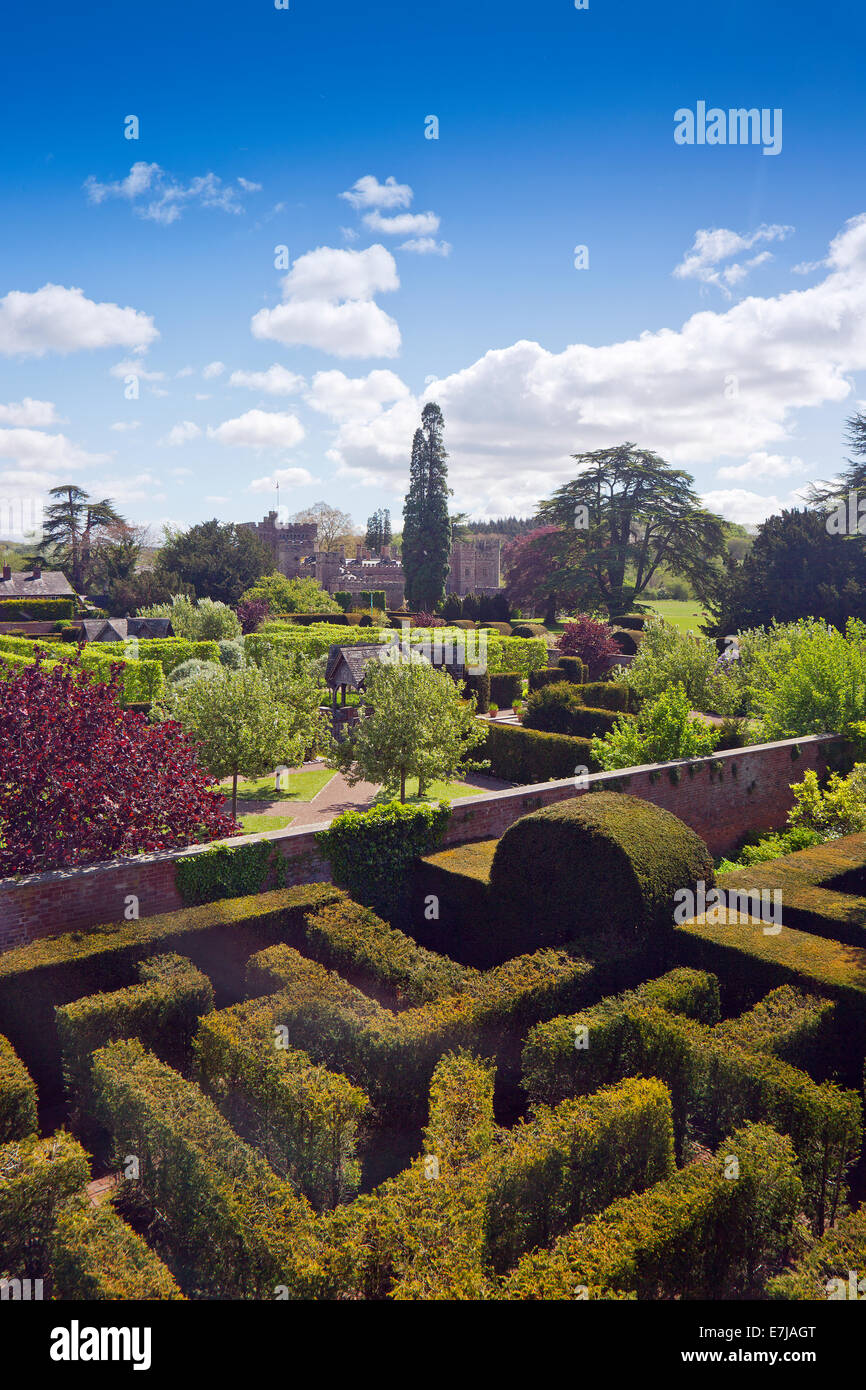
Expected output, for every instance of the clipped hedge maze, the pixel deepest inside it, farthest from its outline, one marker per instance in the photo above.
(299, 1101)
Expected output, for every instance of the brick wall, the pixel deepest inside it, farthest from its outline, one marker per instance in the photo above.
(721, 797)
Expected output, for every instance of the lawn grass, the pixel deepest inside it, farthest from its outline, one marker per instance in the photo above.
(301, 786)
(687, 615)
(255, 823)
(436, 791)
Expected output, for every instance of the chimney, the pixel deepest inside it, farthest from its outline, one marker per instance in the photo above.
(37, 572)
(7, 571)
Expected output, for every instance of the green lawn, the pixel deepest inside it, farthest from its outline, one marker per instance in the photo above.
(301, 786)
(256, 824)
(687, 615)
(437, 791)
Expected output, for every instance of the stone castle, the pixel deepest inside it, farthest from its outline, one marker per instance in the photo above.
(475, 565)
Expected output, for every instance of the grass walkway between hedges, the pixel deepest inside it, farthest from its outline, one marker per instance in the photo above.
(687, 615)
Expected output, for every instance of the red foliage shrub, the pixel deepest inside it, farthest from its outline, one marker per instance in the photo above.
(591, 640)
(82, 780)
(252, 613)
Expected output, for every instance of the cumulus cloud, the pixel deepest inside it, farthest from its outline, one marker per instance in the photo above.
(213, 369)
(714, 245)
(426, 246)
(159, 197)
(746, 508)
(275, 381)
(38, 461)
(328, 304)
(28, 413)
(368, 192)
(764, 465)
(133, 367)
(139, 487)
(57, 319)
(181, 433)
(516, 415)
(355, 398)
(259, 429)
(286, 477)
(404, 224)
(122, 425)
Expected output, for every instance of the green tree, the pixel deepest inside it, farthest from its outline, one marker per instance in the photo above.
(418, 726)
(627, 514)
(333, 526)
(284, 595)
(219, 560)
(378, 531)
(426, 528)
(71, 528)
(795, 569)
(663, 731)
(853, 478)
(201, 621)
(249, 721)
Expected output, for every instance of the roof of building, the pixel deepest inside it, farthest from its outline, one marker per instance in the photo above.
(45, 584)
(120, 629)
(348, 665)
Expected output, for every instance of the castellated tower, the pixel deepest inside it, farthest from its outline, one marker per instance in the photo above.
(475, 567)
(290, 544)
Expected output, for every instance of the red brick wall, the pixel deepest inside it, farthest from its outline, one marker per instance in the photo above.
(725, 796)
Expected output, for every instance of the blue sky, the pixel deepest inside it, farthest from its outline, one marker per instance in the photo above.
(721, 320)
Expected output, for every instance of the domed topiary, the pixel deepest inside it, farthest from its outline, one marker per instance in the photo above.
(601, 869)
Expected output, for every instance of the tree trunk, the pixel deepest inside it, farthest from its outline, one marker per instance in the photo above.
(235, 794)
(402, 784)
(421, 788)
(550, 612)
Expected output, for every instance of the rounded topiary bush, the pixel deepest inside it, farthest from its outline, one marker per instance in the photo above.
(601, 869)
(552, 708)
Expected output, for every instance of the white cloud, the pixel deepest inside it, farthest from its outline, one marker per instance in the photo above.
(164, 197)
(514, 416)
(369, 193)
(181, 433)
(806, 267)
(286, 477)
(404, 224)
(137, 488)
(41, 459)
(746, 508)
(260, 429)
(328, 304)
(276, 381)
(133, 367)
(764, 465)
(426, 246)
(213, 369)
(354, 398)
(713, 245)
(57, 319)
(28, 413)
(186, 371)
(122, 425)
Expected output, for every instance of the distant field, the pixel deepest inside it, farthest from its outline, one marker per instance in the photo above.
(687, 615)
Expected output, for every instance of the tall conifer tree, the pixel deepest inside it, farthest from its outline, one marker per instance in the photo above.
(426, 528)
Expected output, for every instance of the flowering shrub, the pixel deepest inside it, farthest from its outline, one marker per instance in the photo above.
(83, 780)
(590, 640)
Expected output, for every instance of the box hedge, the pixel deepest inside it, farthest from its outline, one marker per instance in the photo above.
(505, 688)
(696, 1235)
(162, 1012)
(824, 1271)
(522, 755)
(479, 686)
(575, 669)
(37, 610)
(18, 1099)
(715, 1084)
(607, 695)
(594, 869)
(96, 1257)
(823, 888)
(217, 937)
(548, 675)
(370, 852)
(36, 1177)
(142, 682)
(168, 651)
(449, 905)
(303, 1118)
(229, 1220)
